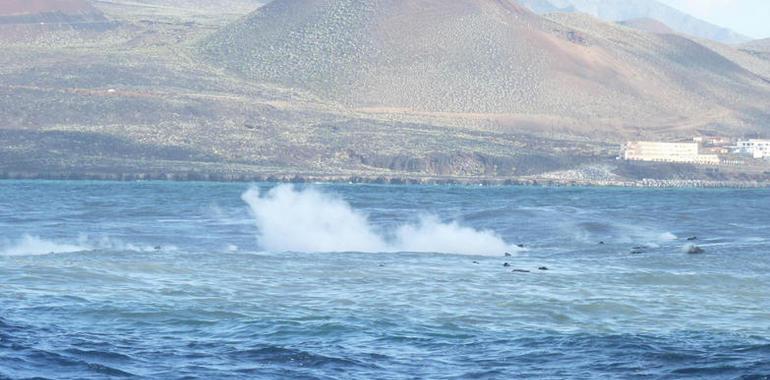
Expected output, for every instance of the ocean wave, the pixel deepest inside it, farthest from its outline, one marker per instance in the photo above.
(30, 245)
(292, 220)
(33, 245)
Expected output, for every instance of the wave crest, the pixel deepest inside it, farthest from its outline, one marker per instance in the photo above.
(32, 245)
(291, 220)
(29, 245)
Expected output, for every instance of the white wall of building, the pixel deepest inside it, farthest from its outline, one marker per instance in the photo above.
(668, 152)
(755, 147)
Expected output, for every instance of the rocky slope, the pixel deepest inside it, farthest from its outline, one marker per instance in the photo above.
(621, 10)
(488, 57)
(426, 90)
(75, 12)
(648, 25)
(760, 48)
(758, 45)
(196, 6)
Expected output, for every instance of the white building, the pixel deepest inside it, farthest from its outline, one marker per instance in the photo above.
(755, 147)
(668, 152)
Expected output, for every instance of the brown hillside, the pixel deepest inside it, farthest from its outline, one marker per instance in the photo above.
(759, 49)
(346, 89)
(488, 57)
(648, 25)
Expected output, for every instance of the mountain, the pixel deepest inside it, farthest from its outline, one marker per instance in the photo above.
(544, 6)
(376, 54)
(648, 25)
(622, 10)
(758, 48)
(49, 11)
(26, 7)
(486, 57)
(386, 90)
(758, 45)
(198, 6)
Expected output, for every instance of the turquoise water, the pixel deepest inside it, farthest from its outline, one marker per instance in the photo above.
(210, 281)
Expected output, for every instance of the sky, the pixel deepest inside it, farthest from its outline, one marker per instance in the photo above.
(748, 17)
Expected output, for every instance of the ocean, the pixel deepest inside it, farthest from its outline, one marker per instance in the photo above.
(164, 280)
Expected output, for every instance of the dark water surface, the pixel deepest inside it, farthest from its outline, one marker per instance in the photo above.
(189, 280)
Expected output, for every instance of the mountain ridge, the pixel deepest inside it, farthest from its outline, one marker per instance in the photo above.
(385, 90)
(26, 7)
(483, 56)
(41, 12)
(623, 10)
(648, 25)
(762, 45)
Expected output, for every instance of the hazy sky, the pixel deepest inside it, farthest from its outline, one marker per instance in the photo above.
(748, 17)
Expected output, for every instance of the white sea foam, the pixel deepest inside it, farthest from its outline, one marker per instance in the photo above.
(29, 245)
(431, 235)
(32, 245)
(292, 220)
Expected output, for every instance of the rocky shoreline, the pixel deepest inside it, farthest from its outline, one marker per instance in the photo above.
(381, 179)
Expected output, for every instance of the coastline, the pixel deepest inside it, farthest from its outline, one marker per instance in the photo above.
(380, 179)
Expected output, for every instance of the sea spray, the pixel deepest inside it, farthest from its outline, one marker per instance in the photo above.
(29, 245)
(310, 221)
(292, 220)
(431, 235)
(32, 245)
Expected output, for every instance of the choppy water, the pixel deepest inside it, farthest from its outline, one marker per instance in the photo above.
(190, 280)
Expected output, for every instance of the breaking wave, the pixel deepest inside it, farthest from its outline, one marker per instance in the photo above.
(292, 220)
(31, 245)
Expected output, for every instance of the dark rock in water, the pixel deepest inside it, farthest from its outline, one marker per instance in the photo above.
(601, 243)
(542, 268)
(158, 248)
(520, 271)
(521, 245)
(475, 262)
(695, 250)
(692, 238)
(507, 254)
(636, 251)
(506, 265)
